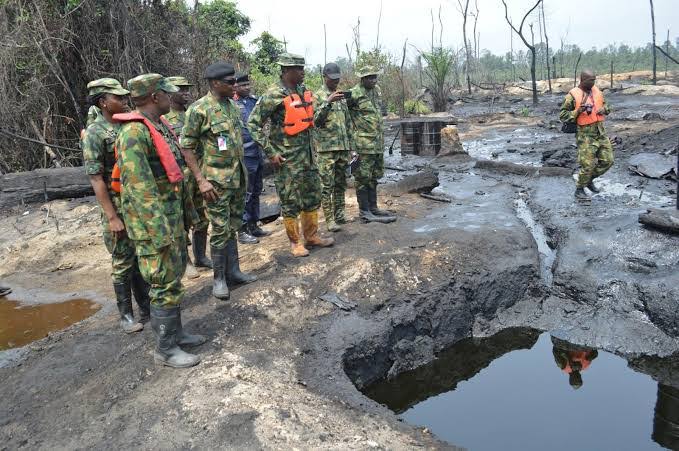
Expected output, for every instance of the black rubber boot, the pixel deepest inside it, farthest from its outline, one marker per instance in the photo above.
(141, 294)
(592, 187)
(364, 212)
(124, 300)
(581, 195)
(220, 290)
(233, 272)
(372, 193)
(186, 339)
(165, 324)
(199, 243)
(244, 236)
(256, 230)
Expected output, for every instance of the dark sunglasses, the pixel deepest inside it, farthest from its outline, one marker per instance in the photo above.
(229, 81)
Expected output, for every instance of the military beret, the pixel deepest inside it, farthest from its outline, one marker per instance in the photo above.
(332, 70)
(179, 81)
(145, 84)
(242, 77)
(290, 60)
(367, 70)
(219, 70)
(107, 86)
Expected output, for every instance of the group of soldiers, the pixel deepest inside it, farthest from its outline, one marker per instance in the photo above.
(171, 166)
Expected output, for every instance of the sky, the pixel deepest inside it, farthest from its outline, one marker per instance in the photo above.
(587, 23)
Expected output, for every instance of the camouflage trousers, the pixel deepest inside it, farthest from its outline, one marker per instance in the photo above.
(226, 214)
(163, 269)
(332, 168)
(123, 257)
(201, 222)
(299, 189)
(370, 170)
(595, 157)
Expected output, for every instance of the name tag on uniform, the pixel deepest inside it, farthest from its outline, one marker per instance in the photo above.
(221, 142)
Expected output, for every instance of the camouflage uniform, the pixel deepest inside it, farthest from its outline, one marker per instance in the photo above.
(332, 139)
(209, 120)
(595, 152)
(368, 135)
(93, 113)
(151, 205)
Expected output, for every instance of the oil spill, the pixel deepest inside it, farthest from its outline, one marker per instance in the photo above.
(23, 324)
(521, 389)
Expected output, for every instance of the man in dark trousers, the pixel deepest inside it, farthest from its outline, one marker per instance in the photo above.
(254, 162)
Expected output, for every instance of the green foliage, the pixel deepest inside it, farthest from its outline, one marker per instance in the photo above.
(220, 24)
(524, 111)
(266, 54)
(415, 106)
(440, 62)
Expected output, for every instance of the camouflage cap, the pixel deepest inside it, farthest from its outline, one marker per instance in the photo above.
(107, 86)
(290, 60)
(145, 84)
(178, 81)
(367, 70)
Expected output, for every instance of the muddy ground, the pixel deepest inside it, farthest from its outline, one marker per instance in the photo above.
(281, 367)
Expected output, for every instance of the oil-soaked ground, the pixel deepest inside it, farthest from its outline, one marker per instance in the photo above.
(521, 390)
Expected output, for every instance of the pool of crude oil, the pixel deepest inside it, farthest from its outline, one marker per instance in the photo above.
(525, 390)
(22, 324)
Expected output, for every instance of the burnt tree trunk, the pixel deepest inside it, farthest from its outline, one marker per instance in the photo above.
(655, 66)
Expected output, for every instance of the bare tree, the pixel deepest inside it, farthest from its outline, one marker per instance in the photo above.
(530, 47)
(464, 10)
(544, 26)
(477, 37)
(379, 21)
(655, 75)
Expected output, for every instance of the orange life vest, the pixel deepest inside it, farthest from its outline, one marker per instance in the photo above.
(595, 98)
(165, 155)
(577, 356)
(299, 114)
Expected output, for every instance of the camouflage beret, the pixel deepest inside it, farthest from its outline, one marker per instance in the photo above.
(178, 81)
(107, 86)
(366, 71)
(290, 60)
(145, 84)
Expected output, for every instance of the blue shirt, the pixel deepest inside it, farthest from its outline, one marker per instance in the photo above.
(246, 105)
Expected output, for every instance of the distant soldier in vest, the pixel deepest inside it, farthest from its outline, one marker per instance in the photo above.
(333, 146)
(176, 117)
(289, 108)
(586, 107)
(254, 162)
(213, 131)
(107, 97)
(572, 360)
(152, 188)
(365, 108)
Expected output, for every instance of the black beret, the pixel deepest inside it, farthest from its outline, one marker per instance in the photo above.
(242, 77)
(219, 70)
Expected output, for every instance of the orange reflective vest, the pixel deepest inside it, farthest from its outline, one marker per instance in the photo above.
(595, 98)
(165, 155)
(299, 114)
(577, 356)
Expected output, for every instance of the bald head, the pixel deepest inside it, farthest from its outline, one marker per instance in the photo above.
(587, 79)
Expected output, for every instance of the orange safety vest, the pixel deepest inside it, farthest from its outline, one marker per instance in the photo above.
(577, 356)
(167, 159)
(299, 114)
(595, 98)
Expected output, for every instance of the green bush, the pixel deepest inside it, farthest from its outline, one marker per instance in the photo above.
(414, 106)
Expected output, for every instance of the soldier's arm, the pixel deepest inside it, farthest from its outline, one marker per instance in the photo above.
(349, 122)
(568, 113)
(94, 157)
(321, 109)
(139, 186)
(265, 107)
(190, 140)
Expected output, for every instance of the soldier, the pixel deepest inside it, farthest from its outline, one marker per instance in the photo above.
(288, 105)
(586, 107)
(107, 97)
(213, 130)
(333, 146)
(151, 193)
(368, 135)
(176, 117)
(254, 162)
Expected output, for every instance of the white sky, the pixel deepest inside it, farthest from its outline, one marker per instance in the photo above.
(587, 23)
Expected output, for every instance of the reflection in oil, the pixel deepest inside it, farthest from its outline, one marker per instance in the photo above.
(20, 325)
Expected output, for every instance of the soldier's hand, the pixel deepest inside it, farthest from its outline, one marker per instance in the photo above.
(582, 108)
(277, 160)
(116, 226)
(207, 190)
(335, 96)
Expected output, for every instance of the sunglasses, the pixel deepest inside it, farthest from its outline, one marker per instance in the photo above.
(229, 81)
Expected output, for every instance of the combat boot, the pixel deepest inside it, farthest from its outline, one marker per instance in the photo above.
(292, 229)
(220, 290)
(580, 194)
(199, 244)
(592, 187)
(124, 299)
(141, 294)
(310, 230)
(256, 230)
(165, 325)
(186, 339)
(364, 212)
(372, 199)
(244, 236)
(233, 273)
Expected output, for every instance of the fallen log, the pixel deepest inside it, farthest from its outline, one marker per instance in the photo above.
(436, 198)
(420, 182)
(43, 185)
(664, 220)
